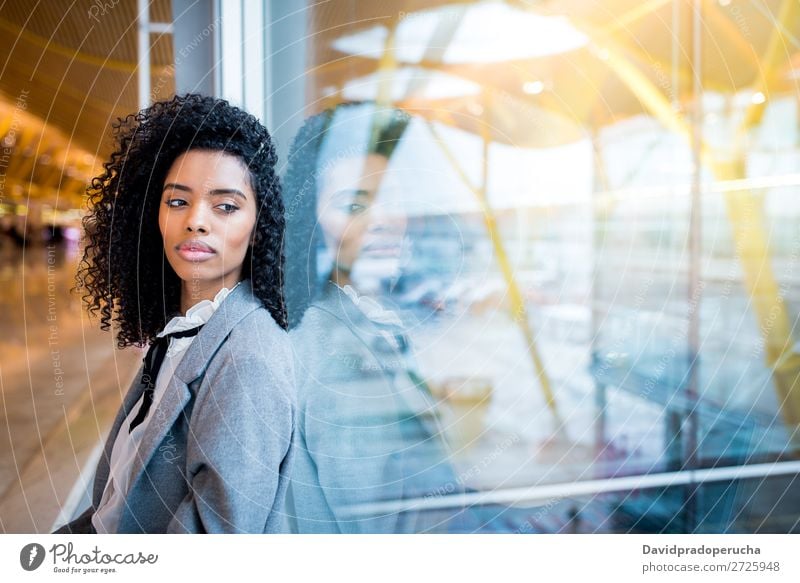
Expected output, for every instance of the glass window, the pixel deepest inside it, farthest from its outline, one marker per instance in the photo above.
(543, 262)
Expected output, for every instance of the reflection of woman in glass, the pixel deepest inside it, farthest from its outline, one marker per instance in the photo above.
(367, 429)
(184, 252)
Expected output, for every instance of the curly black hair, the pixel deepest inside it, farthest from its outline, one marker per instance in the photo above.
(140, 291)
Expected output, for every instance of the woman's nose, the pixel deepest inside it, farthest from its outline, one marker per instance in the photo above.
(196, 219)
(387, 220)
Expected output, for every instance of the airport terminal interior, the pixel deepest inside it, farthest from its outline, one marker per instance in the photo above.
(584, 226)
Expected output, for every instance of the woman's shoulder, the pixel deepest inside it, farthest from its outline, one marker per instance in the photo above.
(256, 328)
(258, 348)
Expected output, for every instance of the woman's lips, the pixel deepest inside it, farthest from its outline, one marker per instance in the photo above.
(381, 247)
(195, 252)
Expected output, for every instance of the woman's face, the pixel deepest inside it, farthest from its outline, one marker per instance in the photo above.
(207, 218)
(352, 223)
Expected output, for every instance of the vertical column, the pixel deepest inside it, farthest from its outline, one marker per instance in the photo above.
(231, 57)
(695, 288)
(253, 63)
(241, 39)
(286, 66)
(196, 27)
(143, 49)
(259, 58)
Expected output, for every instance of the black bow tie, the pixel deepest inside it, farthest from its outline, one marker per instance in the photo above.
(152, 364)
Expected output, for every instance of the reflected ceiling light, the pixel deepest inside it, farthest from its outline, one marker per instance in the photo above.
(533, 87)
(603, 54)
(758, 98)
(437, 85)
(489, 32)
(329, 91)
(475, 109)
(724, 3)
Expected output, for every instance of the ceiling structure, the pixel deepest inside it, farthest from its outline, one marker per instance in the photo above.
(628, 47)
(69, 70)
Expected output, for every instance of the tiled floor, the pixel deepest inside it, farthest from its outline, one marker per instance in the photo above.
(61, 382)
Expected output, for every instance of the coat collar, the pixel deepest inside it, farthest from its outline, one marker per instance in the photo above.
(238, 304)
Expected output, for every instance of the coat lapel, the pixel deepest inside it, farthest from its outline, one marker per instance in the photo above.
(162, 418)
(192, 366)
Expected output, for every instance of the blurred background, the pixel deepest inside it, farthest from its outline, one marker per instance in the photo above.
(600, 274)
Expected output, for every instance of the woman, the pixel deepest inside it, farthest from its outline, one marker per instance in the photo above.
(368, 435)
(185, 236)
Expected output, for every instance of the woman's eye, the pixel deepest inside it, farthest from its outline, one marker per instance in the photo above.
(356, 208)
(228, 208)
(172, 201)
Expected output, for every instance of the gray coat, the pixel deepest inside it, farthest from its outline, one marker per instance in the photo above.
(367, 429)
(216, 455)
